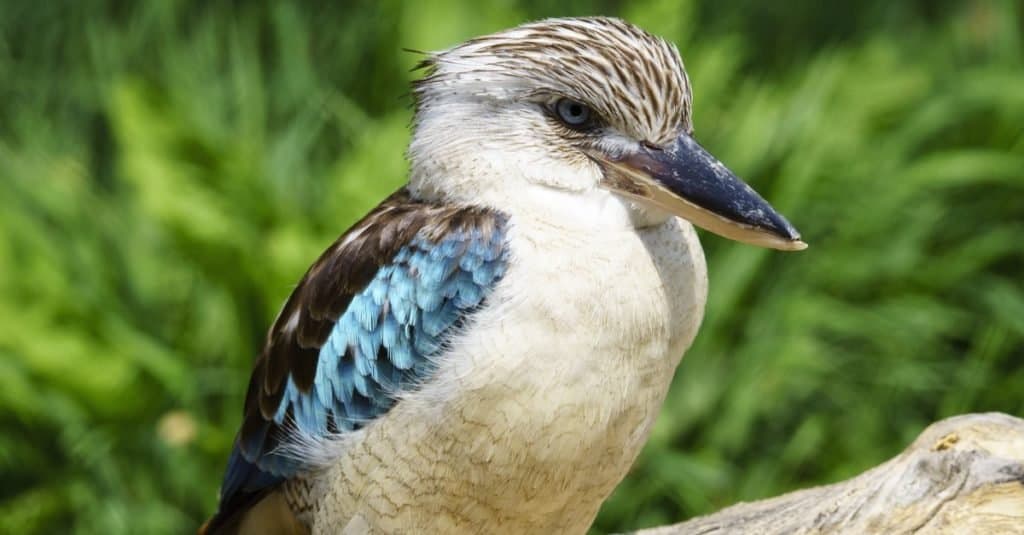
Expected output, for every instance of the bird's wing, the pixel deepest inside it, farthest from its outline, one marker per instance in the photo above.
(358, 330)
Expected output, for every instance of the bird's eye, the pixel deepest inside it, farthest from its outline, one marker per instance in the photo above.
(573, 113)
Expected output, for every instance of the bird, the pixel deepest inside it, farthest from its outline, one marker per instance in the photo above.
(487, 350)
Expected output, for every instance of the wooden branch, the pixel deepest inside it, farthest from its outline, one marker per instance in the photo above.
(963, 475)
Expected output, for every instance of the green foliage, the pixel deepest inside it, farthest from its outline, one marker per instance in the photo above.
(168, 170)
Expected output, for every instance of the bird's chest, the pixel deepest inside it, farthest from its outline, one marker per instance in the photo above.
(540, 407)
(584, 334)
(579, 354)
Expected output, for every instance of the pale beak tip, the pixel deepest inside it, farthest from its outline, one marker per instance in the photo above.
(784, 245)
(788, 235)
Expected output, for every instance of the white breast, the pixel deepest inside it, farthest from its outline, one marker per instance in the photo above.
(543, 403)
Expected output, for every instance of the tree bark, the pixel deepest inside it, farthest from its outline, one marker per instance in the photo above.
(963, 475)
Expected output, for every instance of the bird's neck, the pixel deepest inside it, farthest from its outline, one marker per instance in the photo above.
(593, 210)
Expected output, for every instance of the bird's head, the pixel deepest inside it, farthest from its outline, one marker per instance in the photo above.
(585, 120)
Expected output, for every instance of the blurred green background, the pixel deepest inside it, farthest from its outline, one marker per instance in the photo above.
(169, 169)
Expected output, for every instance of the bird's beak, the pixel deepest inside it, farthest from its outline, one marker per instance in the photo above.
(685, 180)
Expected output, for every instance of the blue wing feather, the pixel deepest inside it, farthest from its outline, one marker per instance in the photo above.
(385, 340)
(405, 309)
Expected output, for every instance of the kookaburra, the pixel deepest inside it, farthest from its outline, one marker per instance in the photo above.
(487, 350)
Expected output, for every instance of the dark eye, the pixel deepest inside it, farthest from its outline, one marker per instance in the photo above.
(572, 113)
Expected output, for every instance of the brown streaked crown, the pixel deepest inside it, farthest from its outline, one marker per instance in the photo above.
(634, 80)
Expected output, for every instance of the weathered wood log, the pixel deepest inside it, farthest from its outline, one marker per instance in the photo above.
(963, 475)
